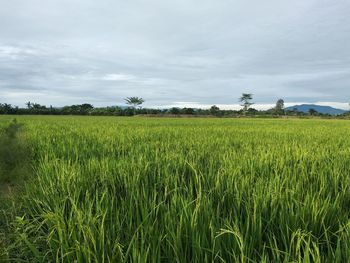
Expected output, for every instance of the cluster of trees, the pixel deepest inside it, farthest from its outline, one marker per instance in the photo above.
(279, 109)
(135, 108)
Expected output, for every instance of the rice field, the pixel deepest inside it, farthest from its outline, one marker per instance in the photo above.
(109, 189)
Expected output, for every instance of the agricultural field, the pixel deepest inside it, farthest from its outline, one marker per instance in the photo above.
(114, 189)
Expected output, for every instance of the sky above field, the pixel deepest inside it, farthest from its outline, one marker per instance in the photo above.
(175, 53)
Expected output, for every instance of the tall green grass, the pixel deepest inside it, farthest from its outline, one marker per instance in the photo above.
(182, 190)
(15, 168)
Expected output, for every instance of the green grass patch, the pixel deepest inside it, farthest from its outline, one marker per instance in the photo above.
(185, 190)
(15, 170)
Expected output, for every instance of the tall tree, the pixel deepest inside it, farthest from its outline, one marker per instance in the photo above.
(279, 108)
(29, 105)
(312, 111)
(246, 100)
(214, 110)
(5, 108)
(134, 102)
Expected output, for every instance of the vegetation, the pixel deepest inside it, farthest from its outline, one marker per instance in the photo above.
(88, 109)
(134, 108)
(214, 110)
(15, 169)
(134, 102)
(246, 100)
(279, 108)
(177, 190)
(312, 112)
(14, 155)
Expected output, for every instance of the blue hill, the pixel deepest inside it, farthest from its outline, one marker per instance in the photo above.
(321, 109)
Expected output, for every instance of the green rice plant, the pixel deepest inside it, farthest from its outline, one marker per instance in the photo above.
(108, 189)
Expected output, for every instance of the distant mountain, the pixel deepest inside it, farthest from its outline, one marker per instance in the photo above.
(321, 109)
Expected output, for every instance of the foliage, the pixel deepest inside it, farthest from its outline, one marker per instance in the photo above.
(14, 156)
(88, 109)
(134, 101)
(312, 111)
(179, 190)
(279, 108)
(214, 110)
(188, 111)
(246, 100)
(15, 169)
(174, 110)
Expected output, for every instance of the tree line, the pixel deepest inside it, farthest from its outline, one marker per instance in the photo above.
(134, 107)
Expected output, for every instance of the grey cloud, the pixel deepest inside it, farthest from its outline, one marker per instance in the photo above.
(62, 51)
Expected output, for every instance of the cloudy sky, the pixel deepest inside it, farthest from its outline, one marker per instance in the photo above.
(183, 52)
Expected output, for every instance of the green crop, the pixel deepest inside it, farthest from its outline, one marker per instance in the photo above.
(108, 189)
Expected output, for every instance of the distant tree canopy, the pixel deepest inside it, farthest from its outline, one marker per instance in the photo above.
(33, 108)
(312, 112)
(134, 102)
(279, 108)
(174, 110)
(83, 109)
(6, 108)
(246, 100)
(214, 110)
(188, 111)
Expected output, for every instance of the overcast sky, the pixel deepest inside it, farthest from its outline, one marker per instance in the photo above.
(179, 52)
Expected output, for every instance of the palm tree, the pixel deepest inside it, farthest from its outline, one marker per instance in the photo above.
(134, 102)
(29, 104)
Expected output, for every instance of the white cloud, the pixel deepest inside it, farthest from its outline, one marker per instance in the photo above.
(15, 52)
(339, 105)
(118, 77)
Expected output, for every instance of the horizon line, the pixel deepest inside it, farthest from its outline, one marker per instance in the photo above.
(198, 105)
